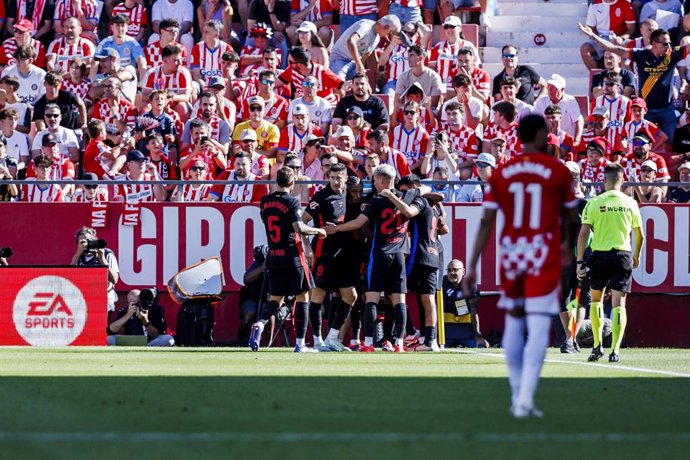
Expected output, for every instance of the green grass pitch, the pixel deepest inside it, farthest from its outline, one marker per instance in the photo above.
(218, 403)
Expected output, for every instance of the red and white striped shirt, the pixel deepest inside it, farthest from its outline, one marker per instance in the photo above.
(632, 167)
(247, 192)
(34, 192)
(614, 140)
(398, 161)
(632, 127)
(358, 7)
(254, 51)
(177, 82)
(10, 45)
(293, 141)
(79, 196)
(66, 9)
(154, 53)
(398, 62)
(619, 112)
(481, 80)
(463, 142)
(137, 17)
(275, 108)
(321, 9)
(81, 89)
(64, 52)
(412, 144)
(445, 54)
(126, 112)
(62, 168)
(128, 190)
(191, 193)
(328, 81)
(591, 173)
(208, 60)
(513, 144)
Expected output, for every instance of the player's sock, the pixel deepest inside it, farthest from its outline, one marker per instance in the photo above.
(341, 313)
(369, 317)
(269, 310)
(400, 320)
(596, 316)
(429, 335)
(368, 341)
(355, 320)
(538, 327)
(513, 347)
(300, 342)
(332, 334)
(316, 320)
(620, 320)
(301, 313)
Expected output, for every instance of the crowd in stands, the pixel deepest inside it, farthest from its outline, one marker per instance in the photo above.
(136, 90)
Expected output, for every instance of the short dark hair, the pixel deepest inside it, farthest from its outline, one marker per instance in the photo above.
(43, 160)
(529, 127)
(207, 94)
(461, 80)
(53, 78)
(242, 154)
(269, 49)
(25, 52)
(153, 136)
(360, 75)
(506, 109)
(285, 177)
(95, 127)
(451, 106)
(231, 56)
(510, 45)
(120, 19)
(337, 168)
(553, 109)
(613, 76)
(418, 50)
(409, 180)
(300, 55)
(378, 135)
(266, 73)
(171, 50)
(197, 123)
(7, 113)
(613, 172)
(167, 23)
(465, 50)
(654, 36)
(509, 81)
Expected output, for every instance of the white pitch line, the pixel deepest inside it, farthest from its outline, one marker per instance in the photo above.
(299, 437)
(584, 363)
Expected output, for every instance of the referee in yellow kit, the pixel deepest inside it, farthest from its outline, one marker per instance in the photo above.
(612, 216)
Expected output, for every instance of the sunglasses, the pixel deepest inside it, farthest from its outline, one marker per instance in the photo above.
(294, 167)
(482, 165)
(646, 170)
(509, 56)
(353, 117)
(309, 84)
(197, 168)
(448, 26)
(52, 115)
(666, 44)
(91, 187)
(268, 82)
(255, 108)
(409, 112)
(638, 143)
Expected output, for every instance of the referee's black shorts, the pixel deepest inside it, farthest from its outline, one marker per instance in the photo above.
(612, 269)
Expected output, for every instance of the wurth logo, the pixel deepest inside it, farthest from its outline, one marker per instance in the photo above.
(47, 303)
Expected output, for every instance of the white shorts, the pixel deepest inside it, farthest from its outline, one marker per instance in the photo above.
(548, 304)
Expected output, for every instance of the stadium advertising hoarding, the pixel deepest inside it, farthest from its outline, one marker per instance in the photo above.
(53, 306)
(171, 236)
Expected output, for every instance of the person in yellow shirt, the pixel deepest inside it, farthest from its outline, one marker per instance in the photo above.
(267, 134)
(611, 218)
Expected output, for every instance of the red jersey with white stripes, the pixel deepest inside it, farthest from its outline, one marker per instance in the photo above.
(254, 51)
(35, 192)
(137, 15)
(619, 111)
(66, 8)
(398, 62)
(293, 141)
(321, 8)
(125, 112)
(275, 108)
(80, 89)
(632, 167)
(207, 155)
(358, 7)
(397, 160)
(64, 52)
(513, 144)
(412, 144)
(176, 82)
(208, 60)
(481, 80)
(614, 138)
(259, 162)
(425, 118)
(128, 190)
(632, 127)
(9, 46)
(101, 195)
(445, 54)
(62, 168)
(328, 81)
(245, 192)
(154, 53)
(191, 193)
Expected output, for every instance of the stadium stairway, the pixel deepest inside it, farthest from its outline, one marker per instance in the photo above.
(547, 36)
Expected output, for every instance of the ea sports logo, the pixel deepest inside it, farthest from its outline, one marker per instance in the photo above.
(49, 311)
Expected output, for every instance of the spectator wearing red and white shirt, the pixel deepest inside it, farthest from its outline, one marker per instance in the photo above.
(592, 167)
(459, 143)
(173, 77)
(292, 137)
(202, 147)
(275, 106)
(138, 18)
(86, 11)
(467, 65)
(299, 66)
(377, 141)
(91, 193)
(638, 109)
(318, 12)
(206, 55)
(607, 18)
(22, 37)
(33, 191)
(444, 55)
(600, 128)
(553, 116)
(244, 192)
(138, 169)
(113, 108)
(167, 169)
(410, 138)
(99, 159)
(642, 145)
(170, 29)
(618, 105)
(259, 163)
(61, 167)
(193, 192)
(251, 56)
(503, 125)
(77, 82)
(71, 45)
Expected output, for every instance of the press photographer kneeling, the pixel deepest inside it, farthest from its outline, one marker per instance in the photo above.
(142, 316)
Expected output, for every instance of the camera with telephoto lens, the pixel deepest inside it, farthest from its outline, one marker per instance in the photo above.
(6, 253)
(260, 253)
(147, 298)
(92, 245)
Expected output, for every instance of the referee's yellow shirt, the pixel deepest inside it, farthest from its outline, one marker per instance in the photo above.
(612, 215)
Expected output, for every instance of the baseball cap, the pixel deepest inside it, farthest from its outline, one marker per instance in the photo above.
(557, 81)
(499, 138)
(643, 134)
(136, 155)
(649, 164)
(600, 111)
(24, 25)
(552, 139)
(343, 131)
(89, 176)
(256, 100)
(48, 139)
(216, 81)
(685, 165)
(573, 167)
(452, 21)
(486, 158)
(638, 101)
(248, 135)
(312, 138)
(356, 110)
(600, 144)
(300, 109)
(307, 26)
(199, 162)
(106, 53)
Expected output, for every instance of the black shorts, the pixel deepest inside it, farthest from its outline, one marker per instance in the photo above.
(612, 269)
(332, 273)
(423, 279)
(284, 281)
(386, 273)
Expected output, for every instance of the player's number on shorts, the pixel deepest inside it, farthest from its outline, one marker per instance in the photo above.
(273, 228)
(518, 189)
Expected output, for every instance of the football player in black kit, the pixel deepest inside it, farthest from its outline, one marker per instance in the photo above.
(386, 271)
(424, 260)
(288, 273)
(330, 271)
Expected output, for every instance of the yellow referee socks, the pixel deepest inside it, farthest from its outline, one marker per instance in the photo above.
(620, 320)
(596, 315)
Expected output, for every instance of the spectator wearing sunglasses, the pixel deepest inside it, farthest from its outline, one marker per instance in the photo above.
(275, 109)
(67, 141)
(642, 153)
(484, 164)
(90, 193)
(193, 192)
(320, 109)
(300, 65)
(267, 134)
(531, 84)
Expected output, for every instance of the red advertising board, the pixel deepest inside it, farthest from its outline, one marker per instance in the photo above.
(171, 236)
(46, 306)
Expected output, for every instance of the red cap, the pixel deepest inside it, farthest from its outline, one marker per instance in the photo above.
(552, 139)
(24, 25)
(600, 144)
(638, 101)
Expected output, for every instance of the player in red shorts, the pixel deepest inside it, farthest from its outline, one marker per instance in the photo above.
(531, 189)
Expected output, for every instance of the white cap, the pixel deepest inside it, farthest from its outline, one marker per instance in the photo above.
(300, 109)
(248, 135)
(343, 131)
(573, 167)
(557, 81)
(650, 164)
(307, 26)
(685, 165)
(452, 21)
(486, 158)
(256, 100)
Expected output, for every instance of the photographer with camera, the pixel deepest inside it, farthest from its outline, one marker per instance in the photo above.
(92, 251)
(252, 293)
(142, 316)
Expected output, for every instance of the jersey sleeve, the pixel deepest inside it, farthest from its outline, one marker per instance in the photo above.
(273, 135)
(295, 211)
(329, 80)
(196, 60)
(587, 217)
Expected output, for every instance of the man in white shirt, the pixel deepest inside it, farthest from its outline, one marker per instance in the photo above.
(17, 143)
(30, 77)
(66, 138)
(180, 10)
(320, 110)
(573, 123)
